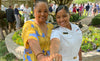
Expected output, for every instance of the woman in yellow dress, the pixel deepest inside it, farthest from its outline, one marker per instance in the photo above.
(36, 35)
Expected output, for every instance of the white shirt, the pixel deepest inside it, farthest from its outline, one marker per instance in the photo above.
(54, 7)
(70, 42)
(91, 6)
(27, 12)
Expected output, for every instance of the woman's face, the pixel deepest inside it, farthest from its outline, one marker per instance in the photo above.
(62, 18)
(41, 13)
(17, 6)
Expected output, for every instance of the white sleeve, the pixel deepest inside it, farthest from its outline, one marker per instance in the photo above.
(24, 9)
(55, 34)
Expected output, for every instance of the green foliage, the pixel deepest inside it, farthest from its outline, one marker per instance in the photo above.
(22, 20)
(5, 19)
(31, 16)
(83, 1)
(3, 49)
(92, 0)
(80, 1)
(96, 20)
(87, 47)
(91, 40)
(82, 17)
(9, 57)
(4, 55)
(74, 17)
(17, 38)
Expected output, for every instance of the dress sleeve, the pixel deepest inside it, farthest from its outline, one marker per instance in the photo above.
(55, 34)
(28, 32)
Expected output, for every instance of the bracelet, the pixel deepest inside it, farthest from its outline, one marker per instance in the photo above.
(38, 54)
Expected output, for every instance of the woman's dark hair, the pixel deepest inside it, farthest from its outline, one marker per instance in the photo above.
(62, 7)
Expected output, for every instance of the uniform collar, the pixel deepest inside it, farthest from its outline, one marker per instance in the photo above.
(66, 29)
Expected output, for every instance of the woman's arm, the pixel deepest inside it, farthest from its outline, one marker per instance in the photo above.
(80, 55)
(54, 49)
(35, 47)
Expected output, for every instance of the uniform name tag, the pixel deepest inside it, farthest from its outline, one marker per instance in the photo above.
(65, 32)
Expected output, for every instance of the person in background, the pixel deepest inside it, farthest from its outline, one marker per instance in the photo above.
(17, 16)
(94, 9)
(54, 7)
(3, 24)
(10, 18)
(27, 13)
(50, 8)
(67, 38)
(74, 8)
(90, 10)
(80, 10)
(97, 6)
(71, 8)
(87, 9)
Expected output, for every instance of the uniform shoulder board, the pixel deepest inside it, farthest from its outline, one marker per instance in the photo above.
(56, 27)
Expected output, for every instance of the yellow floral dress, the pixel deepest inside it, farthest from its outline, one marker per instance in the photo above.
(32, 31)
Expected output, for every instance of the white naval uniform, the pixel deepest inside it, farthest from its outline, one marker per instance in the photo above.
(70, 42)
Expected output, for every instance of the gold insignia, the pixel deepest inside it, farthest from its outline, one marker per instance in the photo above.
(74, 57)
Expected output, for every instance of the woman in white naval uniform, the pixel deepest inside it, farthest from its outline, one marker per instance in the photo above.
(66, 39)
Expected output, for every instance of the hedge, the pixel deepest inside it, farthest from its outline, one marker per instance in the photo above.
(96, 20)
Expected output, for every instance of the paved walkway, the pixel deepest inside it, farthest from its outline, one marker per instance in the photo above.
(87, 20)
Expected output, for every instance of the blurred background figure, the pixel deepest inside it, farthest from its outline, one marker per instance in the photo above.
(97, 6)
(10, 18)
(50, 8)
(17, 16)
(80, 10)
(94, 9)
(90, 10)
(54, 7)
(22, 7)
(71, 8)
(27, 12)
(74, 8)
(3, 24)
(87, 9)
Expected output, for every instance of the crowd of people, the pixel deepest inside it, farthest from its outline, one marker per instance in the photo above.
(89, 9)
(13, 17)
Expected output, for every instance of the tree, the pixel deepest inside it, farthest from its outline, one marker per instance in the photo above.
(0, 3)
(11, 2)
(92, 0)
(26, 1)
(63, 2)
(83, 1)
(40, 0)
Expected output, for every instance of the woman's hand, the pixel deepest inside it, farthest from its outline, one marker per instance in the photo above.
(56, 57)
(44, 58)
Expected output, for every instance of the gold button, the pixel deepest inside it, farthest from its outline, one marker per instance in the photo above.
(74, 57)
